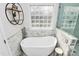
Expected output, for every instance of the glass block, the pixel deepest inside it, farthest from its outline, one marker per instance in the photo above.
(48, 25)
(33, 25)
(69, 25)
(41, 17)
(41, 21)
(73, 22)
(37, 25)
(33, 21)
(61, 25)
(41, 25)
(49, 21)
(72, 13)
(45, 21)
(49, 17)
(37, 17)
(37, 21)
(32, 17)
(45, 25)
(74, 17)
(45, 17)
(66, 17)
(70, 21)
(65, 25)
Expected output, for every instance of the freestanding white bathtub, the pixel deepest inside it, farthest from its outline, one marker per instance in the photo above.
(38, 46)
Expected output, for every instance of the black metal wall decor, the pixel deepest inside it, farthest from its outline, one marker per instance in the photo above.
(14, 13)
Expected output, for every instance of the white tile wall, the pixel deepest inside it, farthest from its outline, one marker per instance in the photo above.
(11, 31)
(14, 43)
(41, 32)
(61, 42)
(65, 40)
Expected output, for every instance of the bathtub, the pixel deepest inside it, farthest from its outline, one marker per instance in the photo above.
(38, 46)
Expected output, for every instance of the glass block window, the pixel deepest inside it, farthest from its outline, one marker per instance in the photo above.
(70, 16)
(41, 16)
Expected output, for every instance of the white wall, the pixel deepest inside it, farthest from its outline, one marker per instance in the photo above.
(61, 42)
(9, 29)
(3, 47)
(11, 33)
(64, 40)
